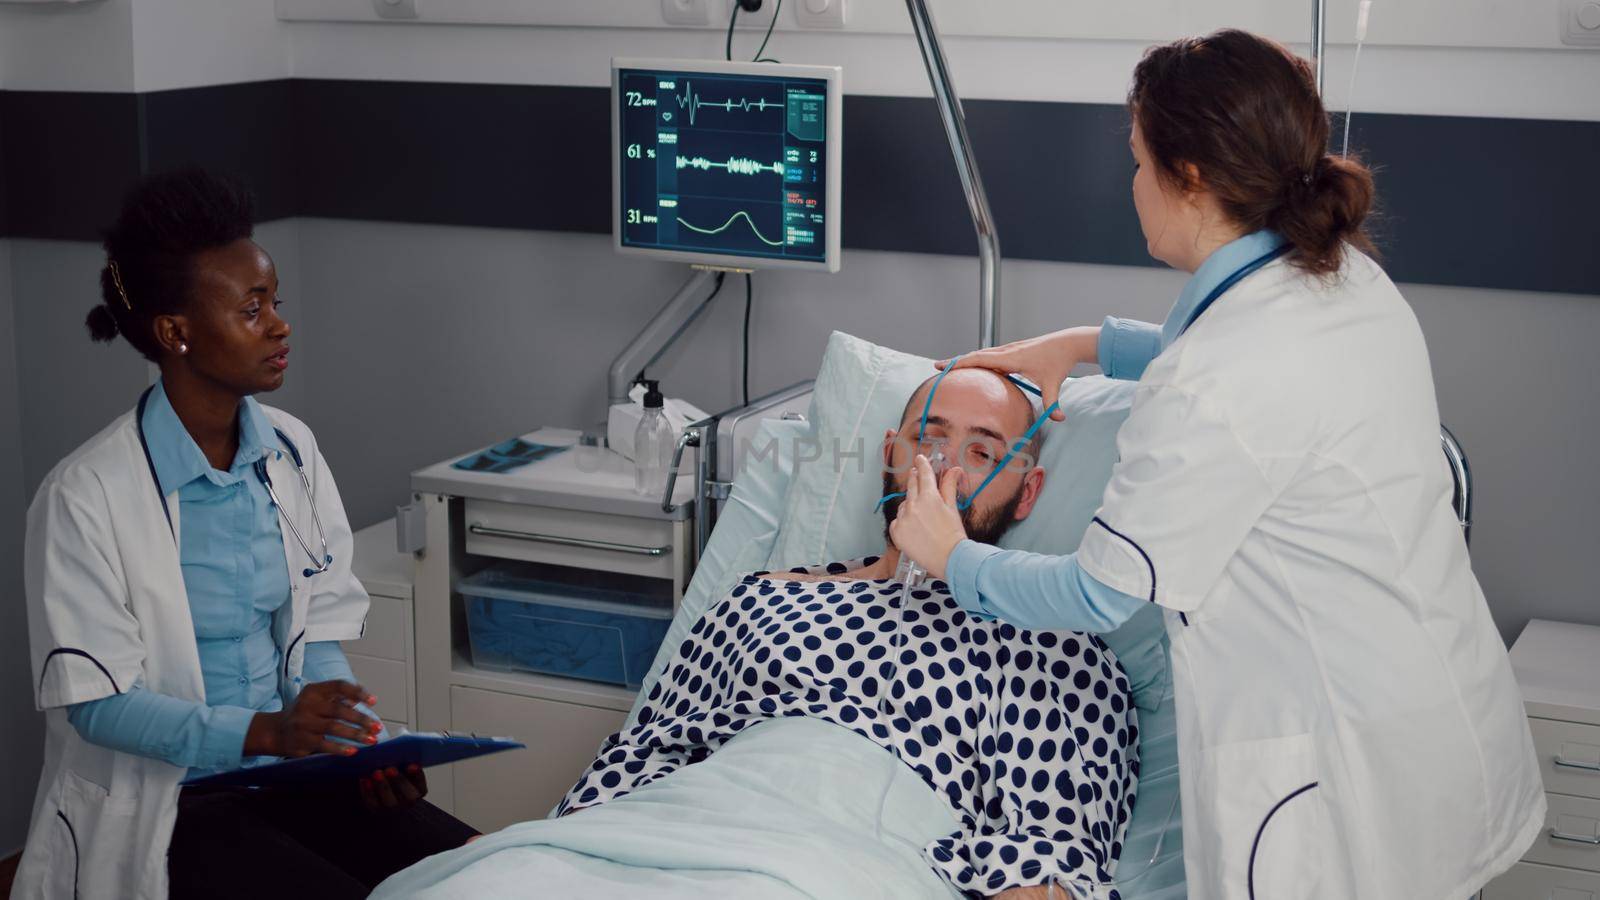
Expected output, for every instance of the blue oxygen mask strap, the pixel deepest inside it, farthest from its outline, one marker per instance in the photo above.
(965, 503)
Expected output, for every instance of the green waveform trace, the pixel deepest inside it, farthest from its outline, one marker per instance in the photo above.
(724, 227)
(735, 165)
(691, 101)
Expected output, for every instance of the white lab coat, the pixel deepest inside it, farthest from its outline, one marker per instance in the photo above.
(107, 608)
(1348, 722)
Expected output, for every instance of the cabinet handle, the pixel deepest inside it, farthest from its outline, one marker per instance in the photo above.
(561, 541)
(1565, 763)
(1591, 839)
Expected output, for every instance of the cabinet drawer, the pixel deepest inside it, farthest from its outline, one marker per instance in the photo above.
(1528, 881)
(574, 538)
(386, 679)
(1579, 819)
(385, 637)
(1577, 747)
(519, 785)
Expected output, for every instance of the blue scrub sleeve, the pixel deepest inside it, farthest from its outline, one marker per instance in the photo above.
(325, 661)
(1035, 591)
(1127, 346)
(181, 732)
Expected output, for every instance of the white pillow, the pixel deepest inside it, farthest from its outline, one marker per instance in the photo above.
(862, 389)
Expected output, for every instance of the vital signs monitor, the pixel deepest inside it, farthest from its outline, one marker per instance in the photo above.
(726, 164)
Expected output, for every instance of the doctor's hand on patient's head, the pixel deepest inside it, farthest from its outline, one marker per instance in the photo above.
(1046, 360)
(321, 712)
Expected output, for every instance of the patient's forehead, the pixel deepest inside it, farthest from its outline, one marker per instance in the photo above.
(973, 397)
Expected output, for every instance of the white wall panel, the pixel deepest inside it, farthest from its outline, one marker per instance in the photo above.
(184, 43)
(1450, 23)
(1397, 79)
(67, 46)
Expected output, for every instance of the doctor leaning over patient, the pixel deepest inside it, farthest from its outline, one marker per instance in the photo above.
(1347, 718)
(185, 604)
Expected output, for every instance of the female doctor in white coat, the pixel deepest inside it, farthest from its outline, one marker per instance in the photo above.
(1348, 723)
(188, 583)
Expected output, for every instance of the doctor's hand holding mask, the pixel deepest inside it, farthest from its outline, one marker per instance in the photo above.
(188, 584)
(1347, 720)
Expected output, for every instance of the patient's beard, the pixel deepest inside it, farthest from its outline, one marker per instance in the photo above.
(985, 529)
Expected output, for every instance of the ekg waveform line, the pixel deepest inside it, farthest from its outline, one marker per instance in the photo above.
(734, 165)
(692, 102)
(724, 227)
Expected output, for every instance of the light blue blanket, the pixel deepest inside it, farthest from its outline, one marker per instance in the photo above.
(786, 810)
(789, 809)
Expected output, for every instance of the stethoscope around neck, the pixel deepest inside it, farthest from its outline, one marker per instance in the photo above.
(326, 558)
(319, 562)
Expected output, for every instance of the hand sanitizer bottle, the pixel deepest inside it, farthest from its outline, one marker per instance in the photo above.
(652, 445)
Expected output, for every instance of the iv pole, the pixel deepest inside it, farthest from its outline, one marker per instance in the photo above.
(1319, 37)
(955, 129)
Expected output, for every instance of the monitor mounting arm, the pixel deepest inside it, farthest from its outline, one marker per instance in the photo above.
(662, 331)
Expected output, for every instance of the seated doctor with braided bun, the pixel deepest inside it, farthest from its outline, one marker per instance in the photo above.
(185, 604)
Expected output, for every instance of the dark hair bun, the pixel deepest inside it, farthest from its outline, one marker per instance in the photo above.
(1318, 218)
(102, 324)
(1245, 112)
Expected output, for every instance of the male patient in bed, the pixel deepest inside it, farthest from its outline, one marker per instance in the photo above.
(1030, 736)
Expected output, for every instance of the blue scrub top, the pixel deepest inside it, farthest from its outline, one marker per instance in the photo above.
(236, 578)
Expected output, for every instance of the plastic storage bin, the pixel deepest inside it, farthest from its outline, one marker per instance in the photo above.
(520, 622)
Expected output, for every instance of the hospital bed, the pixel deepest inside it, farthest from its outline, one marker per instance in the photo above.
(791, 808)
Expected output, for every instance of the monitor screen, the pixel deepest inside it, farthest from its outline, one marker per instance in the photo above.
(733, 164)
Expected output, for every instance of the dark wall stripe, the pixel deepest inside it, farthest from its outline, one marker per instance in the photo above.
(1466, 201)
(1486, 202)
(457, 154)
(68, 158)
(246, 129)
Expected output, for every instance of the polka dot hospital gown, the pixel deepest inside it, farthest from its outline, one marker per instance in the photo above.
(1028, 735)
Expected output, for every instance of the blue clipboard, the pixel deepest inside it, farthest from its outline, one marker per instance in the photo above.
(412, 749)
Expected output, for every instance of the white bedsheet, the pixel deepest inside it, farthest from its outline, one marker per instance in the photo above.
(768, 816)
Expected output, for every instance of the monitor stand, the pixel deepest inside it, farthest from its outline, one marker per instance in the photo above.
(662, 330)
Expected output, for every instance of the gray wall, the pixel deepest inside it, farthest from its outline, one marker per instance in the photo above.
(20, 751)
(421, 342)
(71, 387)
(1517, 376)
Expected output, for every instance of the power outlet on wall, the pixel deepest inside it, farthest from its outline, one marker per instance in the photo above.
(686, 12)
(1580, 23)
(819, 13)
